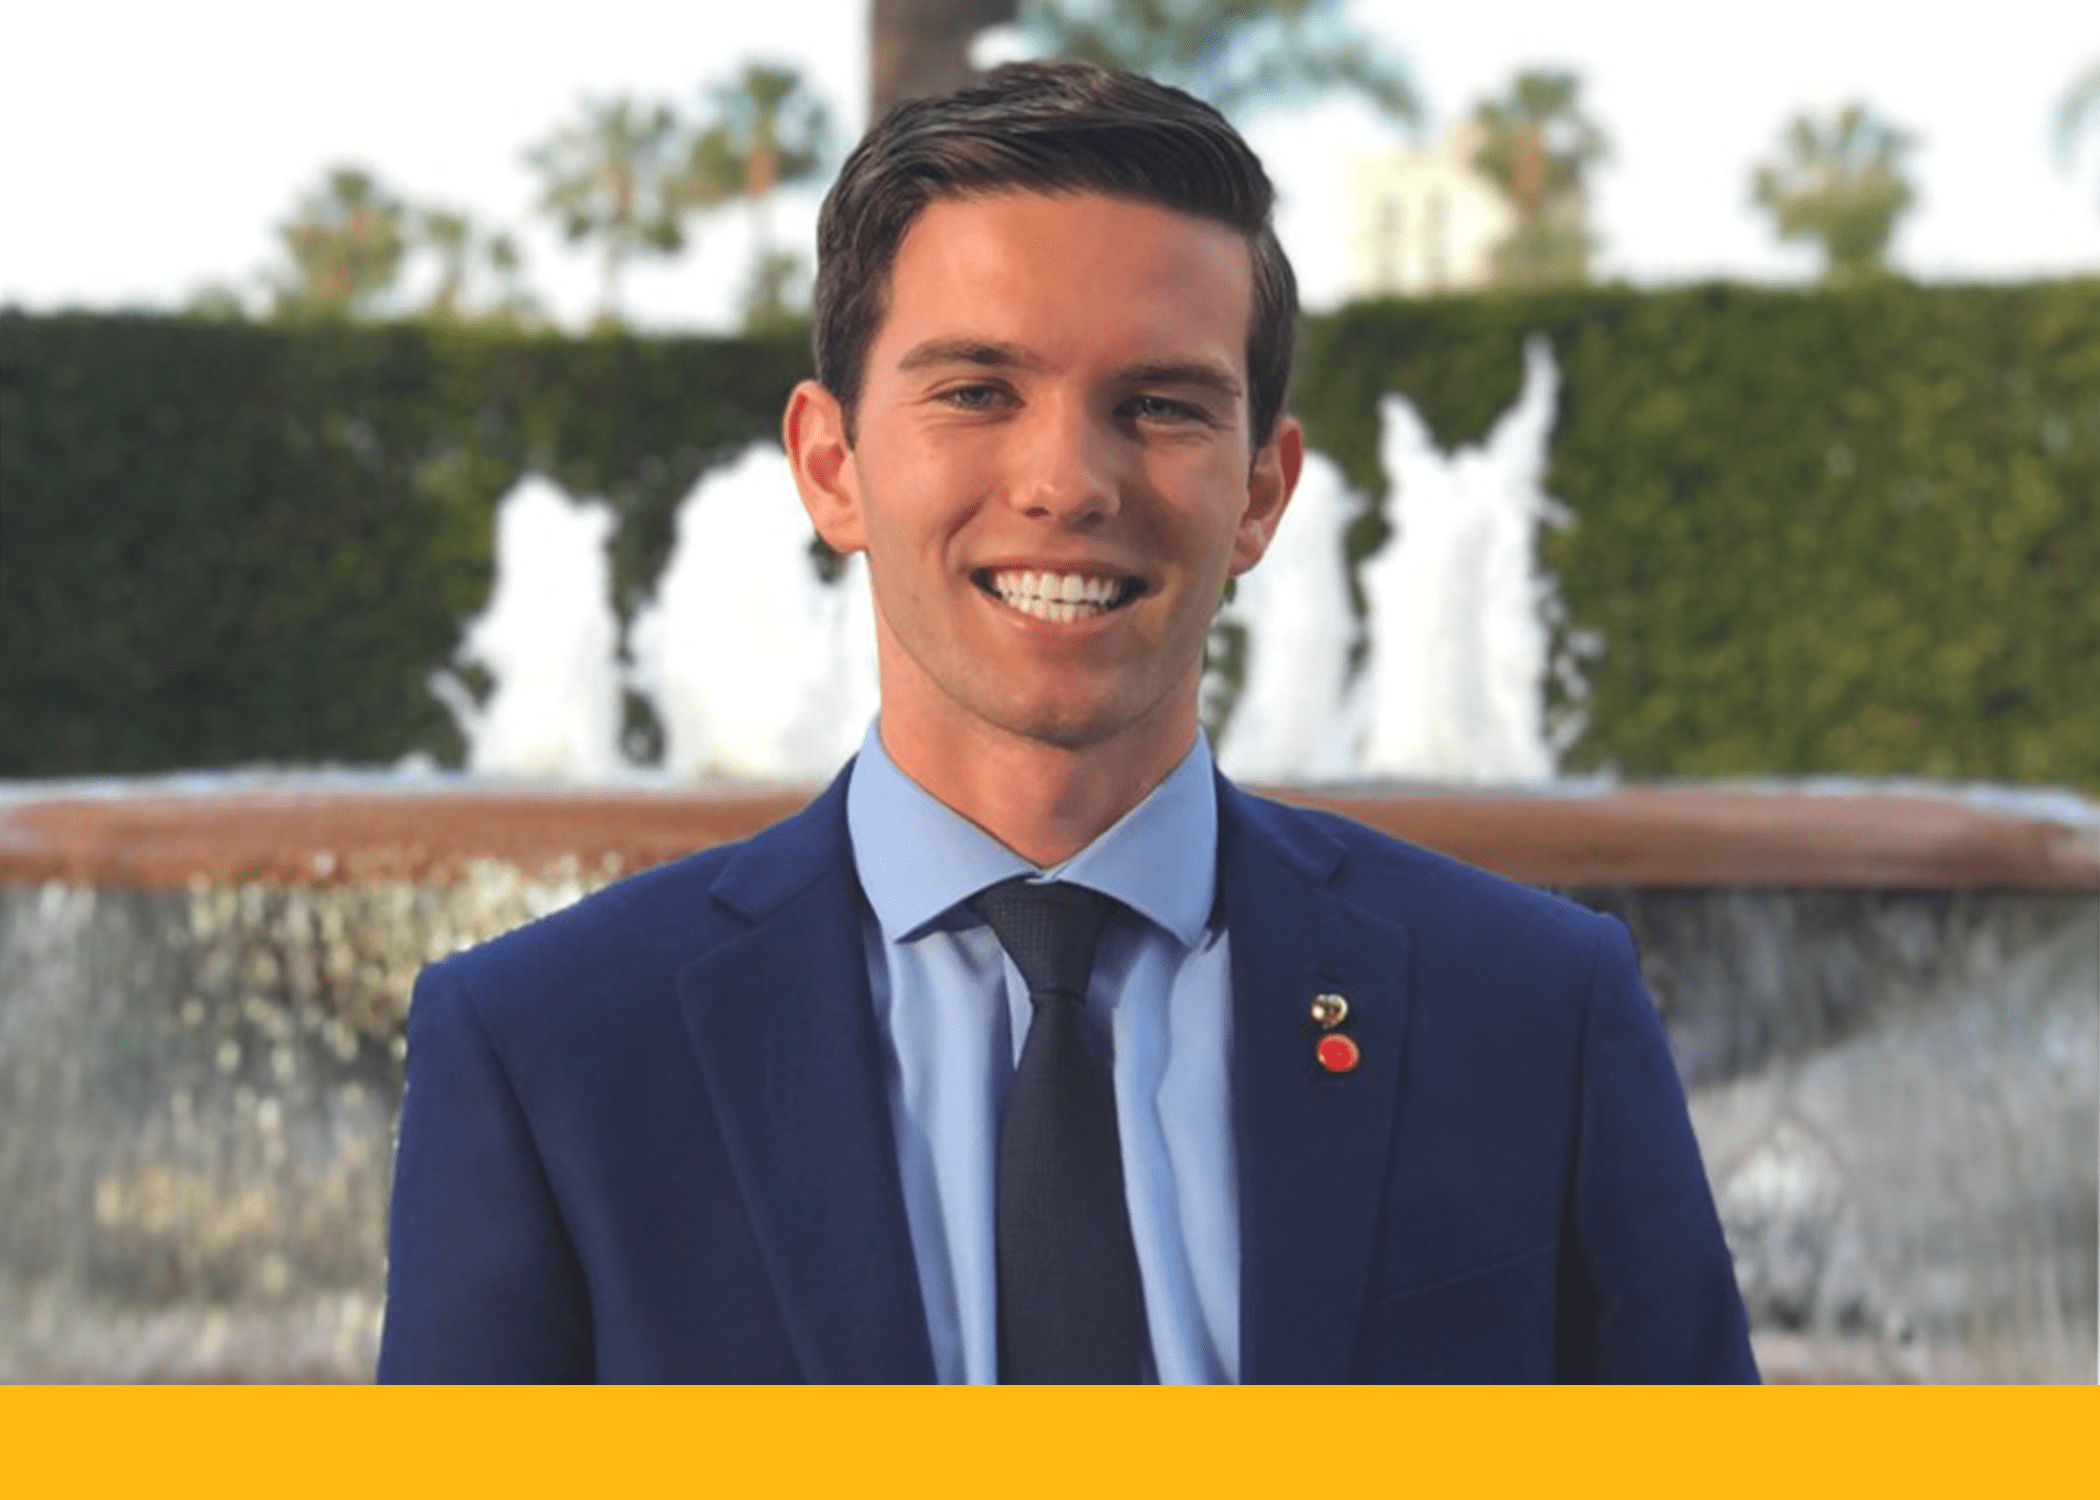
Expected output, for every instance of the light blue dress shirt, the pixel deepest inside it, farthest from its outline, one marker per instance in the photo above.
(1161, 991)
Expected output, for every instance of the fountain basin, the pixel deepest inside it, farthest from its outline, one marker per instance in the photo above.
(1887, 1005)
(1654, 837)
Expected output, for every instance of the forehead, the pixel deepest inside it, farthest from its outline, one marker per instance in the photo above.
(1069, 269)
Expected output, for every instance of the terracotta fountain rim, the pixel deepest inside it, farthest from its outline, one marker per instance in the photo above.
(1678, 835)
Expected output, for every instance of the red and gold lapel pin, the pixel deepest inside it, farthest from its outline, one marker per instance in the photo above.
(1335, 1052)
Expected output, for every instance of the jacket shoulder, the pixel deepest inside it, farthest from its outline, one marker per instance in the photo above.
(631, 937)
(1387, 874)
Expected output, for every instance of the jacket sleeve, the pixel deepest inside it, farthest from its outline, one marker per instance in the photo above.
(1649, 1293)
(483, 1284)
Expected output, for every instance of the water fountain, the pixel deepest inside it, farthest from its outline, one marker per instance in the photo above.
(548, 638)
(795, 687)
(1886, 1000)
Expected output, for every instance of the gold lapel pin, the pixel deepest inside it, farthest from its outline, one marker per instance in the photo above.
(1329, 1010)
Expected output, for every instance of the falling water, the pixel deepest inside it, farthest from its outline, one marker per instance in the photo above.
(1456, 626)
(1296, 718)
(757, 668)
(1458, 605)
(549, 639)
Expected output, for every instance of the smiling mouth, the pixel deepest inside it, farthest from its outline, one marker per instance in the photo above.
(1057, 597)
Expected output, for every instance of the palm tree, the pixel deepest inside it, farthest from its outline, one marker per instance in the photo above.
(1841, 184)
(769, 129)
(1538, 146)
(464, 251)
(513, 305)
(922, 47)
(1238, 54)
(448, 235)
(614, 177)
(346, 241)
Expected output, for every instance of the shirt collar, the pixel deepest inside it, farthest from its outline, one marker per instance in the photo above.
(917, 858)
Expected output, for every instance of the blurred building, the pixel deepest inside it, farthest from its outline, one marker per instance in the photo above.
(1424, 218)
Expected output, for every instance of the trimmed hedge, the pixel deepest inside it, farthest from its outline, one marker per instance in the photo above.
(1815, 532)
(223, 543)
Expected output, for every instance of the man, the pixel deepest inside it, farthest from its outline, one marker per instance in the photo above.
(1323, 1107)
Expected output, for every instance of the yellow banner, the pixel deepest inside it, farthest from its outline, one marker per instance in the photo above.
(1775, 1444)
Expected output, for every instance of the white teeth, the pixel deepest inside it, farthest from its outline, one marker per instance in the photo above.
(1057, 597)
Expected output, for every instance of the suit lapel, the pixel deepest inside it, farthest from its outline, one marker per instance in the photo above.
(1312, 1145)
(788, 1042)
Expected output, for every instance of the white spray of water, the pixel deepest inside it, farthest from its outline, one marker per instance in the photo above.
(1458, 607)
(549, 638)
(1456, 623)
(1294, 720)
(757, 668)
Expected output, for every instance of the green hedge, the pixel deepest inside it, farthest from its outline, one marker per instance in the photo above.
(223, 543)
(1815, 532)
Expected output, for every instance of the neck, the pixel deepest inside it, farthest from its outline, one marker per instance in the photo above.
(1044, 802)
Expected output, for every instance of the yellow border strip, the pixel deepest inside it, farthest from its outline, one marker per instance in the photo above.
(1074, 1444)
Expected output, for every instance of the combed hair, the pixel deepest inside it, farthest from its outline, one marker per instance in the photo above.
(1049, 127)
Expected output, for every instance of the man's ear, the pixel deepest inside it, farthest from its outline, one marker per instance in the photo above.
(1269, 489)
(813, 430)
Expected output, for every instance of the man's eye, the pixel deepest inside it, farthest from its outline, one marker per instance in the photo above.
(973, 397)
(1163, 409)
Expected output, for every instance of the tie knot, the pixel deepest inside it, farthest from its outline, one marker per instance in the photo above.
(1047, 929)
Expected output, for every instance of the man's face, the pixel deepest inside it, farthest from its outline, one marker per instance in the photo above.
(1053, 474)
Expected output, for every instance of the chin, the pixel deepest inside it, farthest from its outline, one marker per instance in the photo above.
(1065, 730)
(1082, 726)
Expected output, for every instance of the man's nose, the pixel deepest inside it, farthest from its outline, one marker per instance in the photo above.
(1070, 469)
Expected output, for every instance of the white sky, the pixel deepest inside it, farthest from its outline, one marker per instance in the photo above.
(148, 147)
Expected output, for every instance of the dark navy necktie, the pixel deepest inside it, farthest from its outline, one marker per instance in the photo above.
(1071, 1311)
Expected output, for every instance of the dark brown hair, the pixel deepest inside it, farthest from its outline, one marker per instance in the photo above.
(1051, 127)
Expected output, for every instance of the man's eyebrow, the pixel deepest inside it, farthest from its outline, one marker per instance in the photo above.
(985, 354)
(991, 354)
(1189, 372)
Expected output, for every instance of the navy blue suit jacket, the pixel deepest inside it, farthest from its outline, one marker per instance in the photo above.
(647, 1138)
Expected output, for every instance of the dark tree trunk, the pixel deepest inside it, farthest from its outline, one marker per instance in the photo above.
(921, 47)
